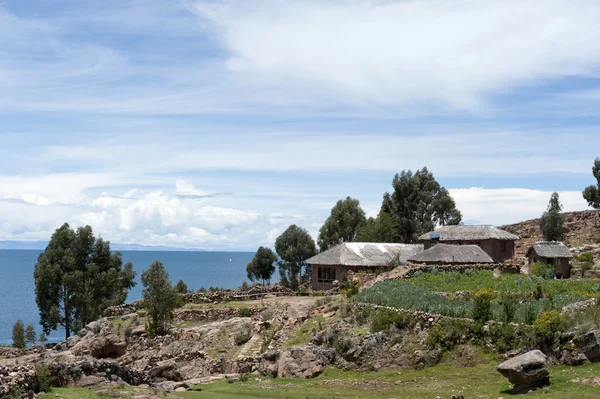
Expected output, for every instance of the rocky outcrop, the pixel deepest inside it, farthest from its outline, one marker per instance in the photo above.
(526, 372)
(295, 362)
(579, 228)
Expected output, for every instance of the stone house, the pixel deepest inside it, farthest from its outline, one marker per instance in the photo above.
(553, 253)
(498, 244)
(446, 254)
(332, 264)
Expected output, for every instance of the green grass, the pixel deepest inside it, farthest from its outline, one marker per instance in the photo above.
(302, 334)
(514, 283)
(408, 295)
(481, 381)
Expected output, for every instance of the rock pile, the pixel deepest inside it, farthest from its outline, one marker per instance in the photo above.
(295, 362)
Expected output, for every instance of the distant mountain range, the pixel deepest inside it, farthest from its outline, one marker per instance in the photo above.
(41, 245)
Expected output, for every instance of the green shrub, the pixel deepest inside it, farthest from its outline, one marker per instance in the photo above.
(530, 313)
(509, 307)
(243, 337)
(450, 333)
(244, 312)
(548, 323)
(586, 257)
(179, 302)
(385, 320)
(585, 266)
(538, 293)
(541, 269)
(18, 334)
(482, 305)
(43, 377)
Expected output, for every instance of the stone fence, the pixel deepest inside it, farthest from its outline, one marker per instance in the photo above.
(214, 314)
(253, 292)
(500, 267)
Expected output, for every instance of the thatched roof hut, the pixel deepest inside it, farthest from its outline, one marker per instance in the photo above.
(550, 250)
(365, 254)
(445, 254)
(468, 233)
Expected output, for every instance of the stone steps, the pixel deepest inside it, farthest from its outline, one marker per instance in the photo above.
(250, 348)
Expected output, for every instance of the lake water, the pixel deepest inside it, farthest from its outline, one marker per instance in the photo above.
(196, 269)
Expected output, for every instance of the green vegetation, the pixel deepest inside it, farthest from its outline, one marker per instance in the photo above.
(551, 221)
(294, 246)
(18, 334)
(407, 295)
(181, 287)
(77, 277)
(585, 257)
(30, 335)
(383, 228)
(342, 225)
(592, 193)
(419, 203)
(160, 299)
(516, 284)
(542, 270)
(482, 305)
(262, 267)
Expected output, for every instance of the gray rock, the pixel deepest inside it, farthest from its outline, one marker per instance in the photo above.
(527, 371)
(589, 345)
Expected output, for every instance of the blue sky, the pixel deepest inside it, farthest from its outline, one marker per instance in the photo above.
(216, 124)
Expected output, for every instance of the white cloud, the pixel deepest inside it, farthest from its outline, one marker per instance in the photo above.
(447, 52)
(510, 205)
(185, 188)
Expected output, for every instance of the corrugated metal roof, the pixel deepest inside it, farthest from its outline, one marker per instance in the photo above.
(365, 254)
(450, 233)
(452, 254)
(551, 249)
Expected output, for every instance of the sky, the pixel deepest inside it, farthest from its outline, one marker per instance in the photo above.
(215, 124)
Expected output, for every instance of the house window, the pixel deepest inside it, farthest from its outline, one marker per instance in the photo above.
(326, 274)
(503, 246)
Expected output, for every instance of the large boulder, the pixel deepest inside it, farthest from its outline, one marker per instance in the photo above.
(295, 362)
(589, 345)
(299, 362)
(527, 372)
(105, 347)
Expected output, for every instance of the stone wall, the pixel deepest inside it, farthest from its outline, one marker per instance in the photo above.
(501, 267)
(213, 314)
(253, 292)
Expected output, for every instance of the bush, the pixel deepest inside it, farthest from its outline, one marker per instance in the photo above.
(243, 337)
(482, 305)
(160, 299)
(541, 269)
(244, 286)
(530, 313)
(509, 307)
(585, 266)
(179, 302)
(385, 320)
(244, 312)
(586, 257)
(450, 333)
(548, 323)
(43, 378)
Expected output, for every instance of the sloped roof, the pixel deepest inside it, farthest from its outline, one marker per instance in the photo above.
(452, 254)
(365, 254)
(551, 249)
(449, 233)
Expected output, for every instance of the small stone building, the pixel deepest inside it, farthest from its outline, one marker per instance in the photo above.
(553, 253)
(446, 254)
(332, 264)
(498, 244)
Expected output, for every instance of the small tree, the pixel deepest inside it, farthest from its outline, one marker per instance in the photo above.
(551, 222)
(592, 193)
(262, 266)
(42, 338)
(160, 299)
(30, 335)
(181, 287)
(294, 246)
(18, 334)
(383, 228)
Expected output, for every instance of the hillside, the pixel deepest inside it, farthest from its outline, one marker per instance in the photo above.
(581, 227)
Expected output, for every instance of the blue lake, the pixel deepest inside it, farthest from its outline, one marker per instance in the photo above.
(196, 269)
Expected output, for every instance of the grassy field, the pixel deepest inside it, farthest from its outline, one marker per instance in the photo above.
(481, 381)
